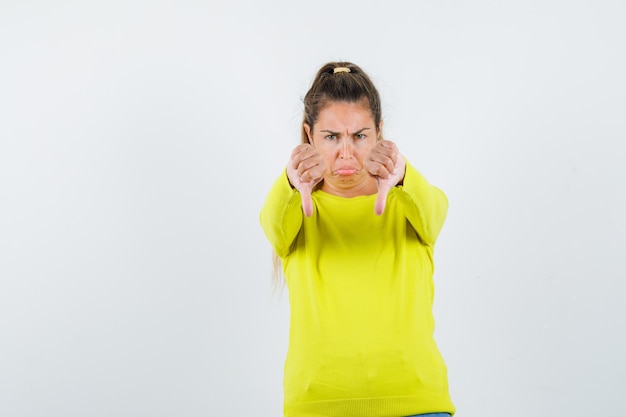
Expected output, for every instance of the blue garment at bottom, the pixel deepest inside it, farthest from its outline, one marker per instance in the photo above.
(431, 415)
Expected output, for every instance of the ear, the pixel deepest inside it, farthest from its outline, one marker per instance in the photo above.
(309, 134)
(380, 131)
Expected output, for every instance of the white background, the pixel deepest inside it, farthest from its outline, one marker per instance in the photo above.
(138, 140)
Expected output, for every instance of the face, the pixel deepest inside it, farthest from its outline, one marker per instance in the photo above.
(344, 134)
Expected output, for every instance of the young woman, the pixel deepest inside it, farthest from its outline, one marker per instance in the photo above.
(354, 226)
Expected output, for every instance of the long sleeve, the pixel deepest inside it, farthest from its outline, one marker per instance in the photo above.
(426, 205)
(281, 216)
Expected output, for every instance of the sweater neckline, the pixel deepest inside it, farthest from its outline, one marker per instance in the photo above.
(327, 195)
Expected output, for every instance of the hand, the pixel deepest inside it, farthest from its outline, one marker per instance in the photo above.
(305, 170)
(388, 167)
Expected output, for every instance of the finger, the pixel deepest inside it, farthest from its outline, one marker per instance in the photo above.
(382, 163)
(381, 198)
(309, 170)
(388, 158)
(299, 154)
(377, 169)
(307, 201)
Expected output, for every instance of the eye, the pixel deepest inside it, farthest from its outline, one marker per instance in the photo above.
(360, 136)
(330, 137)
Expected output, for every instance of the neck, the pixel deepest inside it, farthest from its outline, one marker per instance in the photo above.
(367, 186)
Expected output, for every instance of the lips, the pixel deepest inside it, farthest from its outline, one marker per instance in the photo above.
(345, 170)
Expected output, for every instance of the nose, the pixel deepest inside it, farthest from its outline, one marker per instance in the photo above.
(346, 150)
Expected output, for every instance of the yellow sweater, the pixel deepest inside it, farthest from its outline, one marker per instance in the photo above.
(361, 294)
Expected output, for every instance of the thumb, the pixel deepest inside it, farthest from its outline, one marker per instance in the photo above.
(305, 195)
(381, 197)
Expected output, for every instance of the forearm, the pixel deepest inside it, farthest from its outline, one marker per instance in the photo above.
(281, 215)
(426, 205)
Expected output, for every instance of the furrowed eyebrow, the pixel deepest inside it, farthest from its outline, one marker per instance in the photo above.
(338, 133)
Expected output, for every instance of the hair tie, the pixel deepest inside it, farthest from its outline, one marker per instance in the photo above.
(341, 69)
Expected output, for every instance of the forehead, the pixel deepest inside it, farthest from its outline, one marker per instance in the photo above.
(344, 114)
